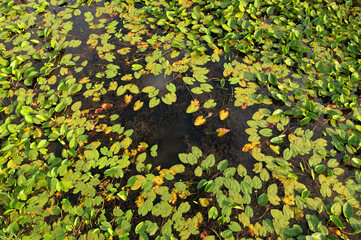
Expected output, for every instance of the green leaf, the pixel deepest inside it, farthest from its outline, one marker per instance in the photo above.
(171, 87)
(209, 104)
(227, 234)
(336, 221)
(267, 132)
(222, 165)
(347, 210)
(154, 102)
(235, 227)
(262, 199)
(305, 193)
(276, 140)
(213, 213)
(136, 67)
(320, 168)
(206, 87)
(305, 120)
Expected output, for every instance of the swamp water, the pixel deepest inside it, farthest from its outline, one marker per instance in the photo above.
(132, 126)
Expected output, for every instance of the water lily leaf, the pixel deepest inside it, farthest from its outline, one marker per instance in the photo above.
(193, 107)
(208, 162)
(266, 132)
(262, 199)
(138, 105)
(209, 103)
(222, 165)
(206, 87)
(153, 150)
(127, 77)
(128, 98)
(222, 131)
(204, 202)
(197, 90)
(188, 80)
(154, 102)
(277, 140)
(199, 120)
(198, 171)
(213, 213)
(136, 67)
(171, 87)
(227, 234)
(148, 89)
(169, 98)
(235, 227)
(124, 51)
(223, 114)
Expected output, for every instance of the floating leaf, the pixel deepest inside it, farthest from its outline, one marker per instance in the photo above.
(262, 199)
(209, 103)
(223, 114)
(138, 105)
(199, 121)
(127, 98)
(336, 221)
(347, 210)
(320, 168)
(213, 213)
(193, 107)
(136, 67)
(222, 131)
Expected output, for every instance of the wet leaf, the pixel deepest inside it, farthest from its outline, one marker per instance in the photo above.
(138, 105)
(127, 98)
(262, 199)
(347, 210)
(336, 221)
(223, 114)
(199, 120)
(222, 131)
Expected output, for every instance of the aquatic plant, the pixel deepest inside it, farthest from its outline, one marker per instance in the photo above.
(117, 117)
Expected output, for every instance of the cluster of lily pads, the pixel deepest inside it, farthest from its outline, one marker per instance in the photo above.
(70, 70)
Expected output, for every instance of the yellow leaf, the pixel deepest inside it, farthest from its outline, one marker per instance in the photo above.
(174, 199)
(138, 182)
(127, 77)
(84, 80)
(140, 201)
(227, 72)
(158, 180)
(138, 105)
(250, 146)
(223, 114)
(142, 146)
(124, 51)
(289, 200)
(106, 106)
(195, 102)
(107, 130)
(128, 98)
(222, 131)
(204, 202)
(199, 121)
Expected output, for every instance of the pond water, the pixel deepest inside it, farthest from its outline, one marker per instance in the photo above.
(153, 120)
